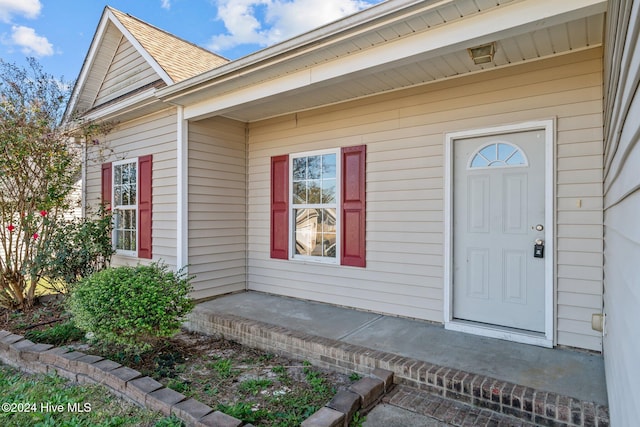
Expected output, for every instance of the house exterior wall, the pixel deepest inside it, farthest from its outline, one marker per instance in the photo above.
(217, 206)
(154, 134)
(622, 210)
(128, 71)
(404, 134)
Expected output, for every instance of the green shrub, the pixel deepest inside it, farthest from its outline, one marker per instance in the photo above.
(74, 250)
(131, 306)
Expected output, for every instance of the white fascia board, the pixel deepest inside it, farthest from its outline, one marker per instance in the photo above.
(510, 20)
(248, 94)
(88, 64)
(108, 112)
(141, 50)
(107, 17)
(308, 41)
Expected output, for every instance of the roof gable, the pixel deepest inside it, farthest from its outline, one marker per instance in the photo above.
(128, 56)
(127, 71)
(178, 58)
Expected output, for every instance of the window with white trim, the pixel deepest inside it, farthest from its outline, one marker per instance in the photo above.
(125, 206)
(315, 198)
(498, 154)
(318, 206)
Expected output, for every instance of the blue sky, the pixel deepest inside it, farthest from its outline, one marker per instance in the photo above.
(58, 32)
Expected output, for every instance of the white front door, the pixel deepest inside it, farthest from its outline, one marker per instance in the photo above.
(498, 214)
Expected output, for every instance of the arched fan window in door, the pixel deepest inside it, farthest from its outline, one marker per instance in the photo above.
(498, 154)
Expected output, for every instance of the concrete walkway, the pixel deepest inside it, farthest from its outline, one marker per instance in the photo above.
(576, 374)
(386, 415)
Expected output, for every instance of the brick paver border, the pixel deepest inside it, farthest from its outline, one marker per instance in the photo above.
(125, 382)
(144, 391)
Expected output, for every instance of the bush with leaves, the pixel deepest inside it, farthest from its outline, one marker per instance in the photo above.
(131, 306)
(38, 169)
(75, 250)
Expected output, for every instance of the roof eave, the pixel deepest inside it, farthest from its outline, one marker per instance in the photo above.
(229, 87)
(311, 40)
(131, 106)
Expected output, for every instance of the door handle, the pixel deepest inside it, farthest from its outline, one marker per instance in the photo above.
(538, 249)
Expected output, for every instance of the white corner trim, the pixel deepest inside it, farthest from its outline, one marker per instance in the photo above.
(549, 128)
(182, 191)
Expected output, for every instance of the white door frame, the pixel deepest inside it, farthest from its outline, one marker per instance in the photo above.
(547, 338)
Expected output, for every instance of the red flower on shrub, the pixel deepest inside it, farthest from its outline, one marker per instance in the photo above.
(35, 236)
(10, 227)
(43, 213)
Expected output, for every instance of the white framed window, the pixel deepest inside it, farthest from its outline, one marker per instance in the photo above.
(498, 154)
(314, 206)
(125, 207)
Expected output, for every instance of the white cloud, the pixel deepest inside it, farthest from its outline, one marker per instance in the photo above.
(30, 42)
(165, 4)
(27, 8)
(265, 22)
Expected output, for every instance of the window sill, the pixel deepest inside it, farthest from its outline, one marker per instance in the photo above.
(309, 260)
(126, 254)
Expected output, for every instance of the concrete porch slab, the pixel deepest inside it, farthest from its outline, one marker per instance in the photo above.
(323, 320)
(565, 372)
(561, 372)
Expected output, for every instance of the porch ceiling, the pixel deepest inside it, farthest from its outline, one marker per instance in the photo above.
(421, 43)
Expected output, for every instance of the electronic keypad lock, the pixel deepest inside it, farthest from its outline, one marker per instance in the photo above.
(538, 249)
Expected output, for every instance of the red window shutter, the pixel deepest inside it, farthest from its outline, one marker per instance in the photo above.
(353, 206)
(106, 185)
(144, 206)
(280, 207)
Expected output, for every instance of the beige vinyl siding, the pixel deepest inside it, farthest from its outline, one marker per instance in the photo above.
(154, 134)
(404, 133)
(128, 71)
(217, 206)
(95, 78)
(622, 213)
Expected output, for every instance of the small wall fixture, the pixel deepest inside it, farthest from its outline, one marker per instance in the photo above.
(598, 321)
(482, 54)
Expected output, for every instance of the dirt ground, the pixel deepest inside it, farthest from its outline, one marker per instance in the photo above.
(257, 387)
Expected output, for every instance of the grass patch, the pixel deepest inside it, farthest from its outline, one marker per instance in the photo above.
(179, 386)
(280, 405)
(255, 386)
(47, 400)
(245, 412)
(224, 368)
(355, 376)
(314, 378)
(357, 420)
(62, 333)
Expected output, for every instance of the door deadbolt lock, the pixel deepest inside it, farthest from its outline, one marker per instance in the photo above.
(538, 249)
(539, 227)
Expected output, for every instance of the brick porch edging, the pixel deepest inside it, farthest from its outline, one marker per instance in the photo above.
(526, 403)
(82, 368)
(27, 356)
(360, 397)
